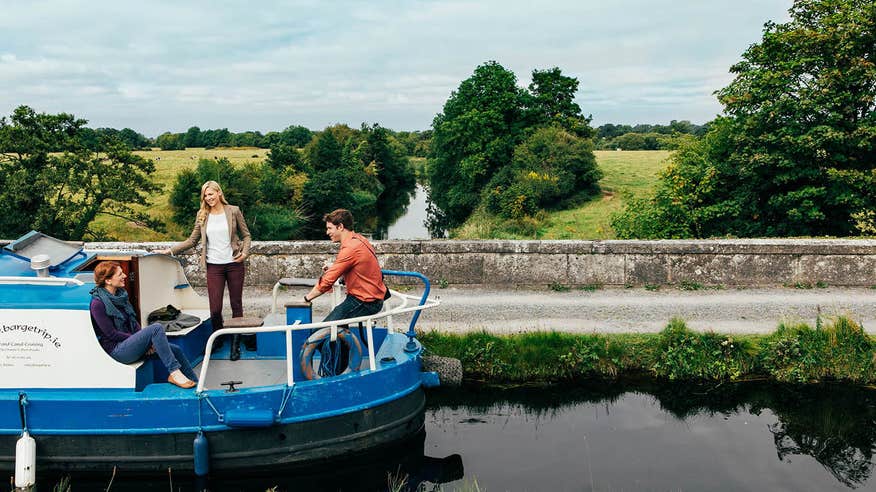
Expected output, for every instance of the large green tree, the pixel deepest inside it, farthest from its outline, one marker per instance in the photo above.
(473, 138)
(50, 181)
(476, 138)
(551, 100)
(795, 153)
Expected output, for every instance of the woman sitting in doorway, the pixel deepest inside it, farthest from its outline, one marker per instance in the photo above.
(119, 333)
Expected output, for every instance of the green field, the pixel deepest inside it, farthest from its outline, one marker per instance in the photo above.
(630, 173)
(627, 173)
(167, 164)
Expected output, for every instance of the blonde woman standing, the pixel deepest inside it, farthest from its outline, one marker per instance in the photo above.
(221, 229)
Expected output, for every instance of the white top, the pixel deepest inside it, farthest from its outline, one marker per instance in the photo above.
(218, 240)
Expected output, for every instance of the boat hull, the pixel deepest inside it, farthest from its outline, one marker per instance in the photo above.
(295, 443)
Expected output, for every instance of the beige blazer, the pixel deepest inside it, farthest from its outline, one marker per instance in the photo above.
(240, 237)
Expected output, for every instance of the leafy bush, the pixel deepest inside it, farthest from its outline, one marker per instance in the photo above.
(551, 166)
(800, 354)
(683, 354)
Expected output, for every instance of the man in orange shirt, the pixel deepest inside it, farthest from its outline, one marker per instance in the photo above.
(357, 263)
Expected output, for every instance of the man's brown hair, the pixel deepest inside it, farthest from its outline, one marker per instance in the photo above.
(338, 217)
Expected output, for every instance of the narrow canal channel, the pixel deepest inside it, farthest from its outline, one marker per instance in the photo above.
(605, 437)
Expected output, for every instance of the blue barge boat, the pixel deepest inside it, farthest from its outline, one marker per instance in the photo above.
(87, 412)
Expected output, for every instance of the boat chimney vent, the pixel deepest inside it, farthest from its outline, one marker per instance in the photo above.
(41, 263)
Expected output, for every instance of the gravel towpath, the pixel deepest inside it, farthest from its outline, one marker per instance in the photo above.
(611, 310)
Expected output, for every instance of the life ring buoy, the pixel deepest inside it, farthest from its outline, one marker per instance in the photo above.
(348, 341)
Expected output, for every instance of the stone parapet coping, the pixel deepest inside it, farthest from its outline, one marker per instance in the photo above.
(728, 262)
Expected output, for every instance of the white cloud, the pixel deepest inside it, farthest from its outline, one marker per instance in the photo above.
(267, 65)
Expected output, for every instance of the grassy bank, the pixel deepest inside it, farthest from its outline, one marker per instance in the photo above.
(837, 350)
(626, 174)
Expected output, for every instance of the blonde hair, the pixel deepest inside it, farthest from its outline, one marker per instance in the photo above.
(205, 209)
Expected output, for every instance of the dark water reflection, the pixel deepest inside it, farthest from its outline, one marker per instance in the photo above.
(400, 207)
(375, 470)
(605, 436)
(659, 437)
(412, 216)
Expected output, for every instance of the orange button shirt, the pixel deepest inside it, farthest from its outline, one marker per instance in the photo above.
(357, 263)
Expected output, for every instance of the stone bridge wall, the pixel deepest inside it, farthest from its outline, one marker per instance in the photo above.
(738, 262)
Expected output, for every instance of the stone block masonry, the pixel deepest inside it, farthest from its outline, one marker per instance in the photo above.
(510, 264)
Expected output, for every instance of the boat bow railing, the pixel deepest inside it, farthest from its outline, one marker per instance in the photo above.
(398, 304)
(57, 281)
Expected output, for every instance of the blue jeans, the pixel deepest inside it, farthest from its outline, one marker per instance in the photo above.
(332, 360)
(353, 308)
(136, 345)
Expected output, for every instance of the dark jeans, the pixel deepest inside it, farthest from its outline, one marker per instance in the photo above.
(333, 360)
(135, 346)
(217, 276)
(353, 308)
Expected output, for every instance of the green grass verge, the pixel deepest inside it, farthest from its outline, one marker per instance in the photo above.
(839, 350)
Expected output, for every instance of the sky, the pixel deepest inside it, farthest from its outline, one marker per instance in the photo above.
(168, 65)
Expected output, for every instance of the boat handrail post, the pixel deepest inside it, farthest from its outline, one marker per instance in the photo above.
(290, 371)
(411, 346)
(205, 363)
(368, 331)
(336, 294)
(274, 293)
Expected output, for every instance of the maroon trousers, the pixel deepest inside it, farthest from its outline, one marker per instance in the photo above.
(217, 276)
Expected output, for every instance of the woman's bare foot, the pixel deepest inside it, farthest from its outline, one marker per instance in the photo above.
(179, 379)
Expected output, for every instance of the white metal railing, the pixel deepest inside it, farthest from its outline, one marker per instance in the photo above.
(404, 306)
(13, 280)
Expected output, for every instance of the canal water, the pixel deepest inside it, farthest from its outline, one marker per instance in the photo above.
(606, 437)
(412, 225)
(659, 437)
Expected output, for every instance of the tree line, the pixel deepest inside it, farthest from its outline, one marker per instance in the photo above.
(610, 136)
(793, 154)
(416, 143)
(642, 136)
(648, 137)
(57, 175)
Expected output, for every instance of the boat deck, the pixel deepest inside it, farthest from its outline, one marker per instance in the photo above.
(250, 373)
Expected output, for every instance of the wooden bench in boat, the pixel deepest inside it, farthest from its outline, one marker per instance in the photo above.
(243, 322)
